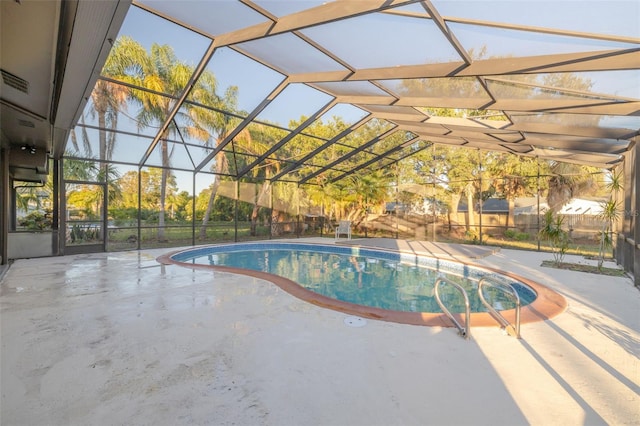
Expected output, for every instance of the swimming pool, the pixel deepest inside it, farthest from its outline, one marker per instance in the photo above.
(367, 282)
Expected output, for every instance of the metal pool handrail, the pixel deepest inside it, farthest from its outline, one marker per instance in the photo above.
(463, 331)
(509, 290)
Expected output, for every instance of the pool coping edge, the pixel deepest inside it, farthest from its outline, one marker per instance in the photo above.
(547, 304)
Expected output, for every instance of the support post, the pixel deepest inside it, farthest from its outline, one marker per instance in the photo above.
(634, 212)
(4, 205)
(538, 202)
(138, 241)
(481, 200)
(235, 212)
(59, 234)
(193, 211)
(395, 208)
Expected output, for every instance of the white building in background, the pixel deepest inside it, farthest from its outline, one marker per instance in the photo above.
(577, 206)
(580, 206)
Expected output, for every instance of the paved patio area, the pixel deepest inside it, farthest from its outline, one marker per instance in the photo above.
(460, 252)
(117, 338)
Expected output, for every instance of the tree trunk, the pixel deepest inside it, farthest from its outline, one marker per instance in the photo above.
(254, 220)
(510, 216)
(207, 213)
(163, 190)
(256, 207)
(102, 136)
(221, 165)
(471, 222)
(276, 228)
(455, 201)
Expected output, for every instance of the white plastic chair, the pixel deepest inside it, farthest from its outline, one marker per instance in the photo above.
(343, 228)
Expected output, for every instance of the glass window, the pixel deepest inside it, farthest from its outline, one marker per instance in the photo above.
(361, 135)
(624, 122)
(211, 17)
(202, 126)
(490, 42)
(197, 153)
(238, 161)
(340, 115)
(328, 126)
(34, 205)
(290, 54)
(405, 41)
(624, 83)
(392, 141)
(170, 154)
(239, 84)
(603, 84)
(287, 7)
(461, 87)
(352, 88)
(593, 16)
(116, 107)
(397, 112)
(293, 104)
(149, 29)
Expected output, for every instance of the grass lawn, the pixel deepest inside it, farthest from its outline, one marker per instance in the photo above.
(176, 235)
(584, 268)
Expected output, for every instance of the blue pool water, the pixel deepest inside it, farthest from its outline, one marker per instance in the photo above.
(386, 280)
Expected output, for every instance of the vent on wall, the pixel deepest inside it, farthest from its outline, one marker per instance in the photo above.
(26, 123)
(15, 81)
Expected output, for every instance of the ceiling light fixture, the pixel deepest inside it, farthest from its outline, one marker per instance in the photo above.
(30, 148)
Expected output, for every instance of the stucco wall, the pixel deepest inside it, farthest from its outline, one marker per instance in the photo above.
(29, 244)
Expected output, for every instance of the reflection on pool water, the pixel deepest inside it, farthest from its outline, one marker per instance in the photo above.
(375, 278)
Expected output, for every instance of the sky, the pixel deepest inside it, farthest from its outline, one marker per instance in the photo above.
(406, 41)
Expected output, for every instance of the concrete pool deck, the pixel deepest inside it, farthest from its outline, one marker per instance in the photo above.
(459, 252)
(117, 338)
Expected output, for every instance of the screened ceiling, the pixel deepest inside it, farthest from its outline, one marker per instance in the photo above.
(315, 90)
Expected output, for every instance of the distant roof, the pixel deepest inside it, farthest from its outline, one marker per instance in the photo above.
(528, 205)
(492, 205)
(579, 206)
(575, 206)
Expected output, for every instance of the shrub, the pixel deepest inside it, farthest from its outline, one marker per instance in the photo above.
(556, 236)
(510, 233)
(516, 235)
(36, 221)
(472, 236)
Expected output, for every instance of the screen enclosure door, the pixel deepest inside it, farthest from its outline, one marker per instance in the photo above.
(85, 218)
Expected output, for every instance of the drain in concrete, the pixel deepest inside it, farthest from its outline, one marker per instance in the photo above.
(355, 321)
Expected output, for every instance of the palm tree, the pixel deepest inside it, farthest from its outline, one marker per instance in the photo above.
(610, 214)
(35, 196)
(109, 173)
(256, 146)
(221, 167)
(320, 195)
(568, 181)
(80, 170)
(269, 169)
(463, 168)
(86, 143)
(108, 99)
(511, 178)
(162, 72)
(469, 190)
(557, 237)
(125, 63)
(368, 189)
(212, 126)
